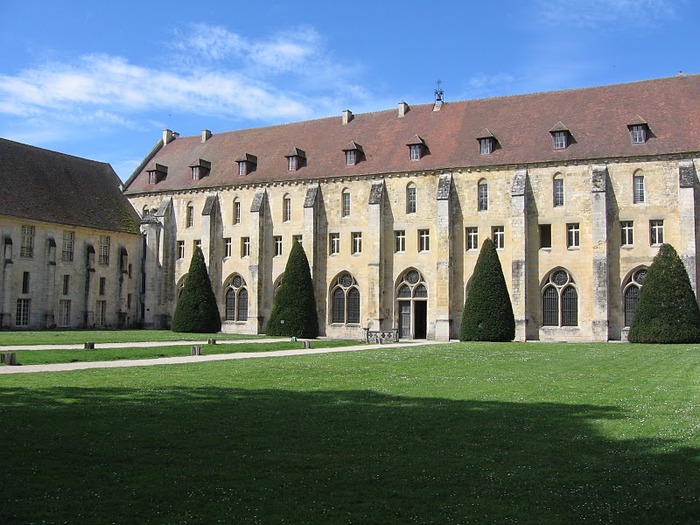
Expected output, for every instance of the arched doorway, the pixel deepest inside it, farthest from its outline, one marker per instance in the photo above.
(412, 305)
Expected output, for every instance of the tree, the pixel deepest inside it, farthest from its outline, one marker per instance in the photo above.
(488, 312)
(667, 311)
(294, 309)
(196, 309)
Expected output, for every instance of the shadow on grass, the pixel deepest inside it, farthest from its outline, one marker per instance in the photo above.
(276, 456)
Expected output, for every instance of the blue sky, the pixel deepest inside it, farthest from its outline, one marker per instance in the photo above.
(101, 80)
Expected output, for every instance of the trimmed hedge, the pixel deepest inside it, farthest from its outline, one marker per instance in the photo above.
(294, 309)
(667, 310)
(488, 312)
(196, 309)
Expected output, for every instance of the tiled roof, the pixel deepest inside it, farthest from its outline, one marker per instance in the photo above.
(598, 117)
(45, 185)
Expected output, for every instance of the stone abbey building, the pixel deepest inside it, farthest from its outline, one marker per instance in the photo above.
(577, 188)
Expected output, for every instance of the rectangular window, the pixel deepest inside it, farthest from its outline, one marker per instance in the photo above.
(23, 307)
(545, 235)
(278, 245)
(485, 146)
(639, 134)
(287, 209)
(297, 238)
(195, 172)
(400, 240)
(411, 203)
(558, 192)
(66, 284)
(128, 301)
(180, 249)
(638, 182)
(560, 139)
(227, 247)
(64, 312)
(25, 282)
(656, 232)
(27, 246)
(334, 243)
(245, 246)
(626, 233)
(472, 238)
(346, 204)
(423, 240)
(573, 235)
(189, 216)
(498, 236)
(356, 242)
(415, 151)
(483, 197)
(350, 156)
(68, 246)
(103, 285)
(197, 244)
(292, 163)
(236, 212)
(101, 313)
(104, 250)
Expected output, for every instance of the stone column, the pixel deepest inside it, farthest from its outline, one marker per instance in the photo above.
(6, 283)
(442, 295)
(599, 248)
(212, 244)
(518, 243)
(687, 180)
(257, 258)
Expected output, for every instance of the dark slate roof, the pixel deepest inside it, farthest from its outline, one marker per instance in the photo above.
(44, 185)
(597, 117)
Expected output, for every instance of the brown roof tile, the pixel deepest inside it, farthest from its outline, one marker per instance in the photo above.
(44, 185)
(599, 117)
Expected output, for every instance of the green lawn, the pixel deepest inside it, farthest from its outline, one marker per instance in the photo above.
(459, 433)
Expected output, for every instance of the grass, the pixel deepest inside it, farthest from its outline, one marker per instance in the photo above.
(41, 357)
(67, 337)
(459, 433)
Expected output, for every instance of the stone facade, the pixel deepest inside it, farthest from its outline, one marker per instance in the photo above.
(393, 239)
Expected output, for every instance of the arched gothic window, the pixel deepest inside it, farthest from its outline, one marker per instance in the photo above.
(345, 300)
(631, 291)
(559, 300)
(237, 300)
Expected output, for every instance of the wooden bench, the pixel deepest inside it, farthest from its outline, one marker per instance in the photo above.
(382, 336)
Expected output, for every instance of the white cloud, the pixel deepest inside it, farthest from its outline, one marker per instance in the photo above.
(593, 13)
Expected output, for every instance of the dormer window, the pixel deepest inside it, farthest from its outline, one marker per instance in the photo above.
(247, 164)
(157, 173)
(561, 136)
(353, 153)
(487, 142)
(417, 148)
(639, 130)
(200, 169)
(295, 159)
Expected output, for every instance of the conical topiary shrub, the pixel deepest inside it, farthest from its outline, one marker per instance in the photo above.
(196, 309)
(667, 311)
(294, 309)
(488, 312)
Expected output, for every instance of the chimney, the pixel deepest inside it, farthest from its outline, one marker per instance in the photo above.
(206, 135)
(403, 108)
(169, 136)
(347, 116)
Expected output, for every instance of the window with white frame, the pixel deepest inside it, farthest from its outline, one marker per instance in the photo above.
(227, 247)
(638, 189)
(350, 157)
(626, 233)
(180, 249)
(278, 245)
(411, 198)
(286, 209)
(656, 232)
(558, 191)
(416, 151)
(27, 241)
(236, 211)
(472, 238)
(68, 246)
(64, 312)
(105, 242)
(498, 236)
(101, 313)
(245, 246)
(485, 145)
(345, 203)
(561, 139)
(638, 133)
(298, 238)
(573, 235)
(423, 240)
(22, 312)
(334, 243)
(356, 239)
(399, 241)
(189, 215)
(482, 196)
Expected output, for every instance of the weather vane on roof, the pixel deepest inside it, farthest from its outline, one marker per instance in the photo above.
(439, 92)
